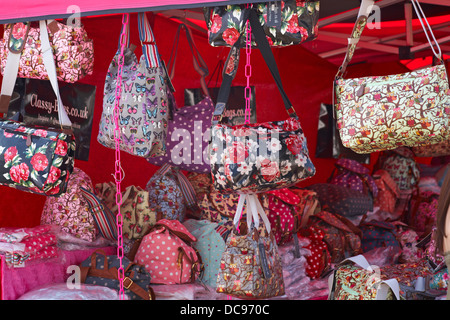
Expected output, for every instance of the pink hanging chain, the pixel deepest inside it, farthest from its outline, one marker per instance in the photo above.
(248, 70)
(118, 177)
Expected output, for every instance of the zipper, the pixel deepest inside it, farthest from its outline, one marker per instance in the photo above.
(370, 84)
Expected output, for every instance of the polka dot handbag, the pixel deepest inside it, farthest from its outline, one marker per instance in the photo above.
(168, 255)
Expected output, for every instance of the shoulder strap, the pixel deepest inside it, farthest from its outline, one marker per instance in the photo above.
(263, 45)
(364, 12)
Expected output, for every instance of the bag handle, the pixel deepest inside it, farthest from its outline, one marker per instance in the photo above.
(12, 68)
(230, 68)
(199, 64)
(364, 12)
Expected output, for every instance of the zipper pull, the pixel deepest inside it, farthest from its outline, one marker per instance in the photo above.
(28, 140)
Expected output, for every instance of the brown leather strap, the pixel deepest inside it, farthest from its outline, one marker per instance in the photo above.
(4, 103)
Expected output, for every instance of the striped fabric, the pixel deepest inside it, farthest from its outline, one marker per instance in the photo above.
(149, 48)
(103, 217)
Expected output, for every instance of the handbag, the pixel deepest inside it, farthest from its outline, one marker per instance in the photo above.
(21, 52)
(385, 112)
(168, 254)
(138, 216)
(285, 23)
(145, 105)
(34, 158)
(170, 194)
(250, 266)
(355, 279)
(388, 191)
(70, 211)
(102, 269)
(188, 131)
(433, 150)
(258, 157)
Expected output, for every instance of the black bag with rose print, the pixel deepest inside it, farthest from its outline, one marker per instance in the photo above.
(285, 23)
(250, 158)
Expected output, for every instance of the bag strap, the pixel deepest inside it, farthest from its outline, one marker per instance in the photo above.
(364, 12)
(199, 64)
(230, 68)
(12, 68)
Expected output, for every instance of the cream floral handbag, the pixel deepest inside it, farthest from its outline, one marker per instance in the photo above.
(378, 113)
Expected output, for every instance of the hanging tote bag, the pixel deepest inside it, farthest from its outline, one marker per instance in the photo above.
(144, 106)
(257, 157)
(386, 112)
(188, 131)
(250, 266)
(285, 23)
(36, 159)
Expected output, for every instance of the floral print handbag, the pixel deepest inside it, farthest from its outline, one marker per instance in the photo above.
(250, 266)
(34, 158)
(385, 112)
(285, 23)
(250, 158)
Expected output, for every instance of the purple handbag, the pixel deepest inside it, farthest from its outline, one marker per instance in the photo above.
(188, 132)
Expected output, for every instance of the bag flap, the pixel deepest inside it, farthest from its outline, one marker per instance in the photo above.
(286, 196)
(387, 180)
(177, 228)
(352, 165)
(337, 221)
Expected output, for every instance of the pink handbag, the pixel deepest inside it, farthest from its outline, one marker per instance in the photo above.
(167, 253)
(70, 210)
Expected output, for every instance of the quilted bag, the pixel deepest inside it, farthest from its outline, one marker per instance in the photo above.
(145, 105)
(188, 131)
(33, 158)
(210, 245)
(355, 279)
(388, 192)
(285, 23)
(353, 175)
(257, 157)
(342, 237)
(282, 214)
(250, 266)
(377, 234)
(138, 217)
(170, 194)
(71, 211)
(341, 200)
(102, 270)
(402, 167)
(377, 113)
(167, 253)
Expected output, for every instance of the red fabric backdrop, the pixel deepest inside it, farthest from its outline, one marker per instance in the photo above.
(307, 79)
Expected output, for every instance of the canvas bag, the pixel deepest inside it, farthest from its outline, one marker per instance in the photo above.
(102, 269)
(355, 279)
(170, 194)
(250, 266)
(285, 23)
(251, 158)
(210, 245)
(37, 159)
(386, 112)
(138, 217)
(145, 105)
(167, 253)
(388, 193)
(353, 175)
(71, 211)
(188, 131)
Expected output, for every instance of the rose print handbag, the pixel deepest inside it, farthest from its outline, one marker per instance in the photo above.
(33, 158)
(386, 112)
(250, 158)
(21, 52)
(285, 23)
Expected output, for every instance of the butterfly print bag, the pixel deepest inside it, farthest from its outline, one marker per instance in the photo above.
(144, 105)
